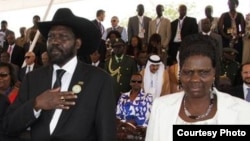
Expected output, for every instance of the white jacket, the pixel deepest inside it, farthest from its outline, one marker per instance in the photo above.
(165, 110)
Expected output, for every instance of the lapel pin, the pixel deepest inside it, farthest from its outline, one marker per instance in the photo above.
(77, 88)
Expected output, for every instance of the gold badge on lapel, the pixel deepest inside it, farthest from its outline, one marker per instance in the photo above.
(77, 88)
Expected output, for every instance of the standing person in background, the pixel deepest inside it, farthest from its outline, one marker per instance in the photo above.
(115, 26)
(246, 41)
(206, 31)
(200, 103)
(16, 52)
(100, 16)
(213, 20)
(139, 24)
(180, 28)
(34, 28)
(5, 29)
(68, 99)
(231, 27)
(162, 26)
(20, 41)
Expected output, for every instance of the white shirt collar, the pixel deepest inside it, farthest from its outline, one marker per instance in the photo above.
(96, 63)
(98, 20)
(69, 67)
(140, 17)
(206, 33)
(12, 46)
(31, 66)
(182, 18)
(245, 87)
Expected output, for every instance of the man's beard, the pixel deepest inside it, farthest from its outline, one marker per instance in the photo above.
(246, 80)
(58, 56)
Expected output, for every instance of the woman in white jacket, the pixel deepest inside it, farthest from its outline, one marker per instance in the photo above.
(199, 102)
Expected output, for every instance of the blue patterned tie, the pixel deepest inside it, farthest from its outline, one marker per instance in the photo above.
(248, 95)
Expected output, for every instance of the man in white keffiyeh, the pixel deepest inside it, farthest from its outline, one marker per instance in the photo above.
(155, 77)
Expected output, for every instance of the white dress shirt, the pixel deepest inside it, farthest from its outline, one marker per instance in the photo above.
(66, 79)
(30, 68)
(96, 63)
(245, 91)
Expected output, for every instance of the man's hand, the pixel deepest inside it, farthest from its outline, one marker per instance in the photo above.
(55, 99)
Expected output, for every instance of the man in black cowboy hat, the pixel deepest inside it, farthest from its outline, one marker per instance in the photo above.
(67, 100)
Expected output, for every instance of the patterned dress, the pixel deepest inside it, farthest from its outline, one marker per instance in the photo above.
(138, 110)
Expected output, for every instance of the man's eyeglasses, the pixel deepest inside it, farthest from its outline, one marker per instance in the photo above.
(3, 74)
(135, 81)
(113, 20)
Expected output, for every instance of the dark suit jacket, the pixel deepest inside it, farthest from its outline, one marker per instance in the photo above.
(218, 39)
(101, 65)
(189, 26)
(17, 56)
(237, 91)
(101, 29)
(133, 27)
(4, 103)
(91, 119)
(22, 72)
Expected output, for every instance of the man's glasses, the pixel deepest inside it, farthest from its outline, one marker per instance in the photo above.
(27, 57)
(3, 74)
(135, 81)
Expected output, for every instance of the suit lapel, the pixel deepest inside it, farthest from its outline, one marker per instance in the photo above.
(225, 109)
(136, 25)
(46, 115)
(76, 80)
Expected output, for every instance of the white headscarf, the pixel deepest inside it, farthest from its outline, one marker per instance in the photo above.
(156, 79)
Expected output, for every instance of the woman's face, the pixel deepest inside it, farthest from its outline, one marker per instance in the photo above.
(4, 78)
(134, 42)
(136, 82)
(197, 75)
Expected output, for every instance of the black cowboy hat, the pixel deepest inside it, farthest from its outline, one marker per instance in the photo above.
(85, 29)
